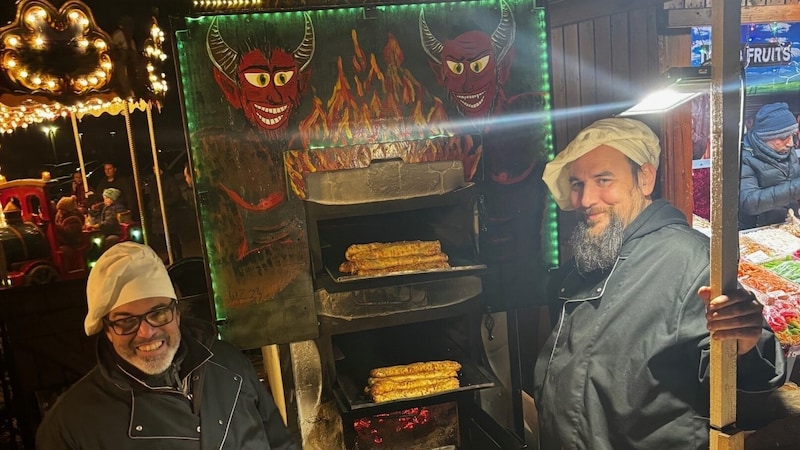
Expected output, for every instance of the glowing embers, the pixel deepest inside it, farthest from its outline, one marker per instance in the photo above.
(434, 426)
(55, 51)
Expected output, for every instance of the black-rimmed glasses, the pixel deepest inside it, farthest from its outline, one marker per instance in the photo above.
(155, 318)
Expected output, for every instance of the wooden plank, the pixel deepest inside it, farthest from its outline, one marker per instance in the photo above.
(602, 57)
(686, 18)
(558, 83)
(572, 80)
(723, 441)
(586, 67)
(724, 212)
(620, 58)
(673, 4)
(575, 11)
(639, 72)
(676, 178)
(652, 33)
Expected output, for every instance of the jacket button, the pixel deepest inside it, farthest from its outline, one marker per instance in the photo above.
(235, 378)
(220, 421)
(198, 428)
(599, 289)
(563, 289)
(196, 377)
(139, 428)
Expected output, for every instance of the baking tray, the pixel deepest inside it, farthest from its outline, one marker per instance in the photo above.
(351, 396)
(458, 267)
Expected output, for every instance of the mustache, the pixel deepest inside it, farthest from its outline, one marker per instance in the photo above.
(595, 210)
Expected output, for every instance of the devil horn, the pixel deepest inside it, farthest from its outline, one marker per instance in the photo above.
(431, 45)
(305, 51)
(222, 56)
(503, 36)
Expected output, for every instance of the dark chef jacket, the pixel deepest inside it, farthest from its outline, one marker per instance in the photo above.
(627, 364)
(228, 407)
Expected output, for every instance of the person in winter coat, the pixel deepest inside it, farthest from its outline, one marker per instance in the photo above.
(626, 366)
(69, 222)
(769, 184)
(162, 380)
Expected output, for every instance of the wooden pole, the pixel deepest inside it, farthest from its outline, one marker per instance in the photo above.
(725, 139)
(126, 112)
(157, 172)
(78, 146)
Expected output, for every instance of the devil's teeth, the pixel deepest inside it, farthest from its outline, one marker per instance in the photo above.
(270, 110)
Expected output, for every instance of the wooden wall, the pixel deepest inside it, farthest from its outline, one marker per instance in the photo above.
(607, 54)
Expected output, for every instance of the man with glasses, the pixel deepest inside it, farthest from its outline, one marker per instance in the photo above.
(162, 380)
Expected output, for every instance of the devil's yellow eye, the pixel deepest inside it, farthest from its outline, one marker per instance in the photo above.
(257, 79)
(455, 67)
(282, 78)
(479, 65)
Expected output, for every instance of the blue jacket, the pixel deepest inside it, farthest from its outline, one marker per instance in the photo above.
(226, 408)
(626, 366)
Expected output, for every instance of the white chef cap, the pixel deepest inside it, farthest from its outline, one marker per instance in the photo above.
(126, 272)
(631, 137)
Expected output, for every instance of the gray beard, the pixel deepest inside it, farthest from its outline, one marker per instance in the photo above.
(597, 252)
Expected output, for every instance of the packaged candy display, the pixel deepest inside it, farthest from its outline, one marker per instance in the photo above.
(783, 317)
(782, 242)
(767, 286)
(780, 297)
(753, 251)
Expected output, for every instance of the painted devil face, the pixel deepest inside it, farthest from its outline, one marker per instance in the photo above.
(474, 66)
(269, 88)
(266, 83)
(468, 73)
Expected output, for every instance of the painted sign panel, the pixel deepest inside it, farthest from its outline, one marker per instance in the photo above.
(272, 97)
(770, 53)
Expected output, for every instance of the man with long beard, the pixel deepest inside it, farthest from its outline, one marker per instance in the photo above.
(627, 364)
(162, 381)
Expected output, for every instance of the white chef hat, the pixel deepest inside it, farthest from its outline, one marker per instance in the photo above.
(631, 137)
(126, 272)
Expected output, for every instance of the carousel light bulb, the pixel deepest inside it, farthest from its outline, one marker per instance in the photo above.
(83, 43)
(51, 84)
(11, 64)
(30, 18)
(106, 65)
(84, 22)
(36, 80)
(99, 44)
(93, 80)
(38, 41)
(73, 15)
(23, 74)
(13, 41)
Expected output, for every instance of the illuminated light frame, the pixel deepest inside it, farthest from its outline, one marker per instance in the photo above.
(550, 226)
(28, 33)
(154, 52)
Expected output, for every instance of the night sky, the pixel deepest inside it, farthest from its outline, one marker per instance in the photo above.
(27, 152)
